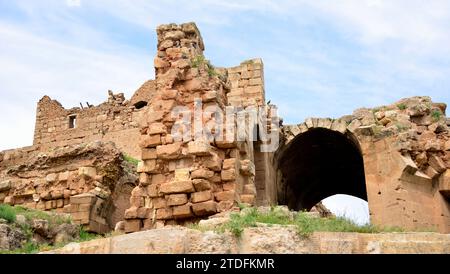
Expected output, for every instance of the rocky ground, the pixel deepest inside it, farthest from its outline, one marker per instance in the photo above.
(28, 231)
(266, 230)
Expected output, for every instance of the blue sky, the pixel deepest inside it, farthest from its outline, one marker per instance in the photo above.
(322, 58)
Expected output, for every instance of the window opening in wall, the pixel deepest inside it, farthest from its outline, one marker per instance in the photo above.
(140, 104)
(73, 121)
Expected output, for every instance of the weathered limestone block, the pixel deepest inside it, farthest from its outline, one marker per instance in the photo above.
(153, 190)
(174, 35)
(169, 94)
(203, 196)
(169, 152)
(64, 176)
(148, 166)
(248, 199)
(5, 185)
(144, 179)
(205, 208)
(339, 125)
(230, 163)
(214, 162)
(303, 128)
(182, 174)
(431, 172)
(9, 200)
(354, 125)
(447, 145)
(228, 175)
(53, 177)
(225, 144)
(177, 187)
(150, 141)
(437, 164)
(247, 168)
(250, 189)
(202, 174)
(324, 123)
(137, 201)
(139, 192)
(410, 166)
(131, 213)
(148, 154)
(85, 198)
(201, 185)
(160, 63)
(87, 172)
(199, 148)
(182, 212)
(177, 199)
(226, 196)
(444, 184)
(157, 128)
(224, 206)
(133, 225)
(164, 214)
(159, 203)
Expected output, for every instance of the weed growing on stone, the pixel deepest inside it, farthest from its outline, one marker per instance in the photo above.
(131, 160)
(402, 106)
(7, 213)
(302, 221)
(436, 114)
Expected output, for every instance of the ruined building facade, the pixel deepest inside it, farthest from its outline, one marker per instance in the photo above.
(395, 157)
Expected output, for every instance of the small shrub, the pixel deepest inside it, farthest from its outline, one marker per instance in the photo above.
(402, 106)
(85, 236)
(304, 223)
(197, 61)
(401, 127)
(436, 115)
(212, 71)
(7, 212)
(131, 160)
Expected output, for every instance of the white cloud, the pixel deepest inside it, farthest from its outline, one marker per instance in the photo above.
(38, 67)
(73, 3)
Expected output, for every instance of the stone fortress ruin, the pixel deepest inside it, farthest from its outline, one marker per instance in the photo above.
(396, 157)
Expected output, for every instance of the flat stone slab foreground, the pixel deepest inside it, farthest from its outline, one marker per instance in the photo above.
(261, 240)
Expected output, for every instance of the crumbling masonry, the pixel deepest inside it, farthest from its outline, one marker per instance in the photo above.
(395, 157)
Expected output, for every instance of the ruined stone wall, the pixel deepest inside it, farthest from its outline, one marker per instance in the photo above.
(116, 120)
(246, 84)
(87, 181)
(406, 152)
(184, 180)
(261, 240)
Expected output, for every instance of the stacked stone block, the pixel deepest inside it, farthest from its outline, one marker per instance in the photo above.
(247, 84)
(186, 180)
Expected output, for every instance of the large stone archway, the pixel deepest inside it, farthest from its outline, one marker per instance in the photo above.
(322, 157)
(320, 163)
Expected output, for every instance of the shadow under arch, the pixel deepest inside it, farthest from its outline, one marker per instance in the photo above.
(318, 164)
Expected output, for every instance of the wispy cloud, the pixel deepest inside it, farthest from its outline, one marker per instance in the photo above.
(318, 54)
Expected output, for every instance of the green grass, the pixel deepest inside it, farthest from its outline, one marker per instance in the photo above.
(304, 223)
(200, 61)
(402, 106)
(85, 236)
(401, 127)
(436, 115)
(197, 61)
(131, 160)
(52, 218)
(7, 212)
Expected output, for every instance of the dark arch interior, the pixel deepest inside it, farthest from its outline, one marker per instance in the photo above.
(318, 164)
(140, 104)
